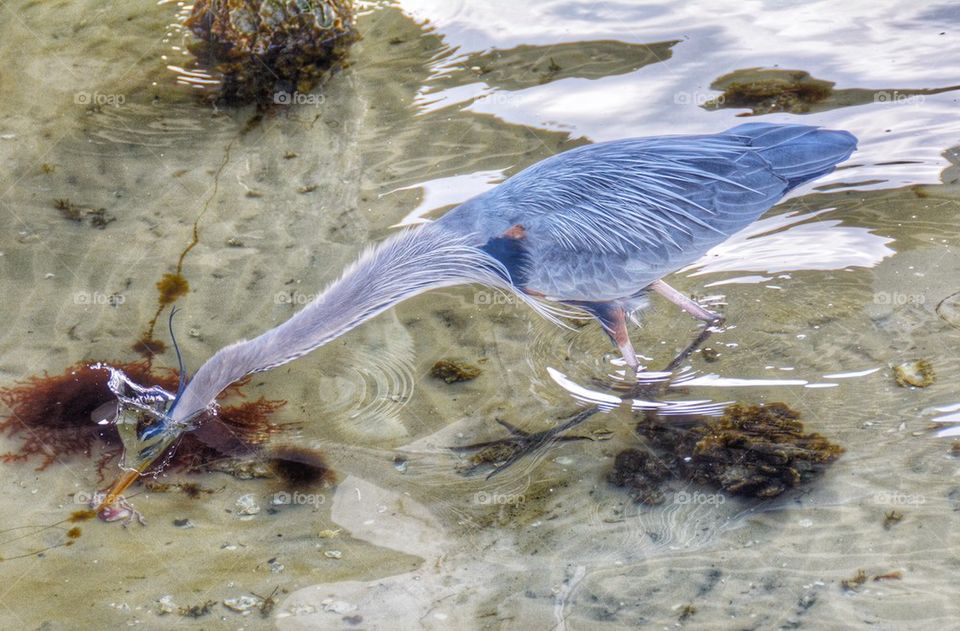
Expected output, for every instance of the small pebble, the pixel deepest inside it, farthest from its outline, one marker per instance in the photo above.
(337, 606)
(242, 604)
(247, 506)
(164, 605)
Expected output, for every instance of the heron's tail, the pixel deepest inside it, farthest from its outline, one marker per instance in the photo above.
(797, 153)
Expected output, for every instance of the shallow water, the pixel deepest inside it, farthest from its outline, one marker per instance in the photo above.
(440, 101)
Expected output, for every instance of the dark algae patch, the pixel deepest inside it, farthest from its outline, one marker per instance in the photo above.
(299, 468)
(891, 519)
(755, 451)
(94, 217)
(148, 347)
(198, 611)
(854, 583)
(642, 472)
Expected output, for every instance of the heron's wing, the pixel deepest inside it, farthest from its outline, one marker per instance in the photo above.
(626, 212)
(662, 195)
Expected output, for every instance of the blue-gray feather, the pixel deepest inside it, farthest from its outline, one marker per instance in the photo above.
(603, 221)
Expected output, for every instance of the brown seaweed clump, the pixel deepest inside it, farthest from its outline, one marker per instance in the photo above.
(51, 414)
(171, 287)
(757, 451)
(96, 217)
(452, 371)
(268, 50)
(770, 90)
(853, 584)
(767, 90)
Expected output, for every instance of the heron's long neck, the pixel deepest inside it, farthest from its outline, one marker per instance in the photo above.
(400, 267)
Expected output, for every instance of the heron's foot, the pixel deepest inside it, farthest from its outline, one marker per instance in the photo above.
(505, 452)
(651, 385)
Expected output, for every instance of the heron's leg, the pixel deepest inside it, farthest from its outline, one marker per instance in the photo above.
(613, 318)
(684, 303)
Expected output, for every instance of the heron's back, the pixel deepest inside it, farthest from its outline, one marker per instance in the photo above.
(602, 221)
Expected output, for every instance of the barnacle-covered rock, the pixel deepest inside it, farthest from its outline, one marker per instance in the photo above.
(758, 451)
(265, 51)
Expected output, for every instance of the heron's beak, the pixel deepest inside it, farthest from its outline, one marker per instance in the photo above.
(116, 491)
(141, 417)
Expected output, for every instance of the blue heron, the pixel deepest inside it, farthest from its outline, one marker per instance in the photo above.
(596, 227)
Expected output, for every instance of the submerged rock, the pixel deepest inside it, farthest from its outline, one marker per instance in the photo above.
(270, 51)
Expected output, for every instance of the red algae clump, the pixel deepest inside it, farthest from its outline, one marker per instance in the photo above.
(52, 415)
